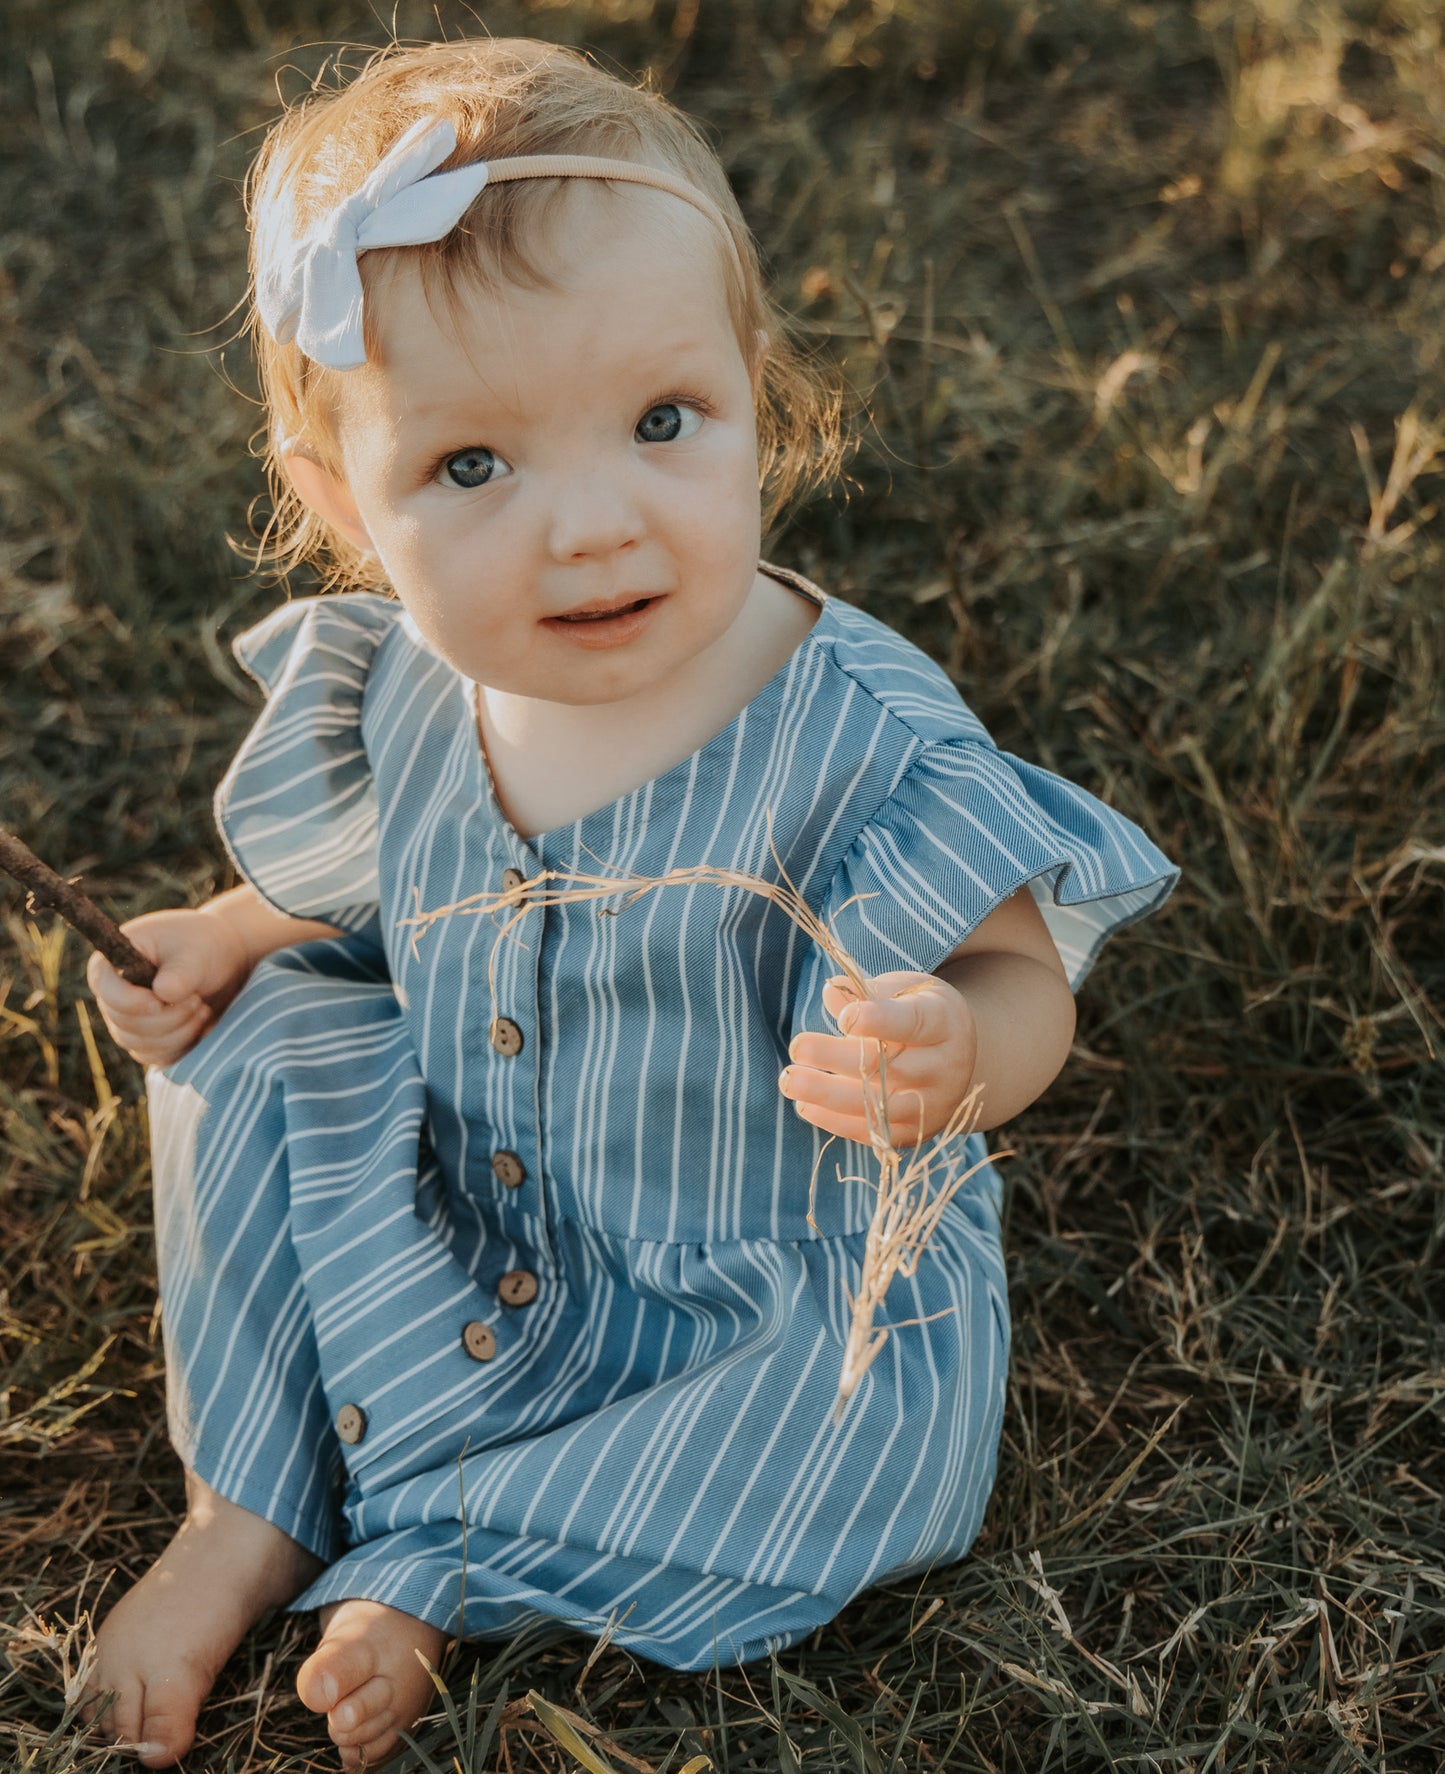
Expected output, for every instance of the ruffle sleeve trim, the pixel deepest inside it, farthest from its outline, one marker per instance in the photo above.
(965, 829)
(297, 809)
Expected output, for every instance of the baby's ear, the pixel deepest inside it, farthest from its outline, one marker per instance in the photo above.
(326, 494)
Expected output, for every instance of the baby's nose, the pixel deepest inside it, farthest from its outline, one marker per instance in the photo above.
(594, 514)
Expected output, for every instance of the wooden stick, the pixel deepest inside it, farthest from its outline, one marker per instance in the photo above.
(46, 890)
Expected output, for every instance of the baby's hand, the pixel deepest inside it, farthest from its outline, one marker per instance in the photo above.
(931, 1044)
(201, 965)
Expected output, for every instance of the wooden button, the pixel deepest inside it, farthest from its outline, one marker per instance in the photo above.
(351, 1423)
(506, 1037)
(514, 878)
(478, 1340)
(509, 1169)
(518, 1287)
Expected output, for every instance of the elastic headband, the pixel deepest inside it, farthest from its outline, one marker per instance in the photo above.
(312, 292)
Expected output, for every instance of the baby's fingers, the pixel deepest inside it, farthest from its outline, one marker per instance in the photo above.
(163, 1047)
(910, 1021)
(114, 993)
(837, 1053)
(131, 1003)
(138, 1020)
(839, 1094)
(161, 1022)
(838, 1105)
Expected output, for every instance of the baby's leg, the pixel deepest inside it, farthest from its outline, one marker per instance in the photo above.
(247, 1411)
(162, 1646)
(367, 1678)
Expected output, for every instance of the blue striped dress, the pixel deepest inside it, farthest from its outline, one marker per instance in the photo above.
(514, 1310)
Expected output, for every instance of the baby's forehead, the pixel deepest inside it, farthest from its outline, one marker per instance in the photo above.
(562, 231)
(593, 259)
(579, 224)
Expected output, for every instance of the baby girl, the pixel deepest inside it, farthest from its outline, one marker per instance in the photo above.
(486, 1302)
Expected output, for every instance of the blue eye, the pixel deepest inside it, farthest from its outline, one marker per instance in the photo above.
(664, 423)
(469, 468)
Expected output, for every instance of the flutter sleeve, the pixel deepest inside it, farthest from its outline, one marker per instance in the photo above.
(297, 809)
(968, 826)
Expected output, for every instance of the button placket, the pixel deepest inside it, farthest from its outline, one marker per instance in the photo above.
(508, 1109)
(505, 1033)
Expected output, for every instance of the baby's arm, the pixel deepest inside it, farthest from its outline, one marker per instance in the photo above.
(998, 1013)
(258, 925)
(203, 958)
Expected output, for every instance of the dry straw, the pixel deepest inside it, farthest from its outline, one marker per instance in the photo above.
(911, 1196)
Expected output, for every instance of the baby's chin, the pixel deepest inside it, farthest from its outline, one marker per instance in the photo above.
(580, 679)
(555, 688)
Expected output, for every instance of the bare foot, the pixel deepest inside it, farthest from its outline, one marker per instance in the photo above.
(366, 1677)
(163, 1644)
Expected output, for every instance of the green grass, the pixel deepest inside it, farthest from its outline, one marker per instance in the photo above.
(1143, 307)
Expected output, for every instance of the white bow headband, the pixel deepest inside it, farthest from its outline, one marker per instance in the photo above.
(311, 291)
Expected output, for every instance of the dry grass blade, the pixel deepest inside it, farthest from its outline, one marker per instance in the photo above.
(910, 1202)
(910, 1197)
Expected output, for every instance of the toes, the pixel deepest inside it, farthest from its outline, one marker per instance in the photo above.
(366, 1677)
(167, 1730)
(334, 1671)
(316, 1685)
(372, 1751)
(153, 1754)
(155, 1736)
(97, 1707)
(376, 1736)
(115, 1712)
(363, 1714)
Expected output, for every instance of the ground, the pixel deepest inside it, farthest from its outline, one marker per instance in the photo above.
(1140, 310)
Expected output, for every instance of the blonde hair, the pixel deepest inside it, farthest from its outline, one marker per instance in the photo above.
(505, 96)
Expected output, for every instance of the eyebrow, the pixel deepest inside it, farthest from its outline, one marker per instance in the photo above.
(673, 356)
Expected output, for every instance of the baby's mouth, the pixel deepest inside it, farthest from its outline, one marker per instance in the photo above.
(606, 613)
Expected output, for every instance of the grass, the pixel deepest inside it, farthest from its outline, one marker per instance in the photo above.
(1142, 304)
